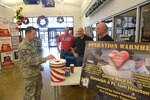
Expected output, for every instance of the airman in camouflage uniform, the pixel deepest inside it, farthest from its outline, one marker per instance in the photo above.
(30, 65)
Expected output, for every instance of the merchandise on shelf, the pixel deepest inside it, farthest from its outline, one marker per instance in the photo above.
(8, 29)
(4, 29)
(15, 42)
(7, 59)
(9, 41)
(14, 29)
(4, 32)
(5, 44)
(15, 55)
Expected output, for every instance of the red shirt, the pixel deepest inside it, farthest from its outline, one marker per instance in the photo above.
(66, 41)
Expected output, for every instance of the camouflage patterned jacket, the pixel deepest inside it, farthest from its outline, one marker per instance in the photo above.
(30, 61)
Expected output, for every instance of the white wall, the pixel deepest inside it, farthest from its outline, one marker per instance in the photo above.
(86, 4)
(37, 10)
(9, 14)
(2, 14)
(110, 8)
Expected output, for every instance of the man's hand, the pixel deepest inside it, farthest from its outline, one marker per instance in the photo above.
(50, 57)
(75, 54)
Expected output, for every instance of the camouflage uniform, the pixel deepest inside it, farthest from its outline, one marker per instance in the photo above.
(30, 69)
(38, 45)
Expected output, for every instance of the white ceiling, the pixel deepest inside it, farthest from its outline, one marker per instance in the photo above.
(18, 2)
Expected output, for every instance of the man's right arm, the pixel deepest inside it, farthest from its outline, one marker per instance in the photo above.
(29, 56)
(73, 48)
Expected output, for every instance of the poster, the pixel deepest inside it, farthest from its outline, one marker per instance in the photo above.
(15, 42)
(5, 44)
(14, 29)
(6, 59)
(119, 70)
(4, 29)
(8, 29)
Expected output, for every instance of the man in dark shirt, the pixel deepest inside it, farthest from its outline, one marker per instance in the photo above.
(101, 32)
(78, 46)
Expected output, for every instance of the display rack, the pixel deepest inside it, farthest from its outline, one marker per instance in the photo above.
(9, 41)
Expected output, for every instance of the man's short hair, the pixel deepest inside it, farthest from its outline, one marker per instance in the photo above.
(138, 57)
(29, 29)
(104, 24)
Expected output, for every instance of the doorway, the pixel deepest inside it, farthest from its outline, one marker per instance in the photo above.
(53, 34)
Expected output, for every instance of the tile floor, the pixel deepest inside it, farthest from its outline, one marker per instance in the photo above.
(11, 84)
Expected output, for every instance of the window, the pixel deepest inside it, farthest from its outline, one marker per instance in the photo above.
(109, 24)
(88, 31)
(68, 21)
(125, 26)
(35, 20)
(51, 19)
(94, 32)
(145, 23)
(30, 20)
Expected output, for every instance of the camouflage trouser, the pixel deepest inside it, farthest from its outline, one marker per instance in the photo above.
(33, 87)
